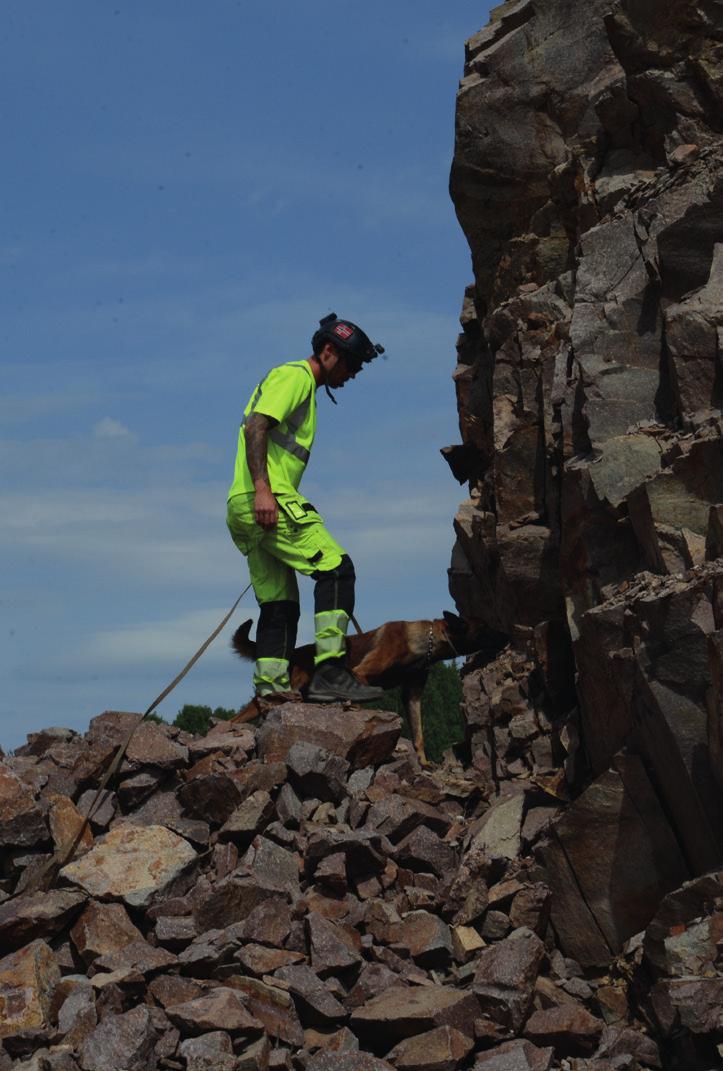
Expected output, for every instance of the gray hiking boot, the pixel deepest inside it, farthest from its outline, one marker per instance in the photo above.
(333, 683)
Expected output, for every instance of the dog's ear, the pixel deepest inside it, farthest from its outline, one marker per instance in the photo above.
(453, 622)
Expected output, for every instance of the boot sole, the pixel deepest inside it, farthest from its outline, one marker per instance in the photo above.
(337, 697)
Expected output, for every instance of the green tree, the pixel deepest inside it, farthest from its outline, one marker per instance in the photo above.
(197, 719)
(442, 719)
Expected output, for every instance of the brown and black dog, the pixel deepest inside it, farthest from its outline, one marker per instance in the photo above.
(398, 653)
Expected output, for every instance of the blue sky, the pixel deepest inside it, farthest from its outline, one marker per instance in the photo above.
(188, 188)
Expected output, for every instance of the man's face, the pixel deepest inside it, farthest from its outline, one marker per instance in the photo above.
(340, 372)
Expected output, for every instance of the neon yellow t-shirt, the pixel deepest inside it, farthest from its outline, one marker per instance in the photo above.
(288, 395)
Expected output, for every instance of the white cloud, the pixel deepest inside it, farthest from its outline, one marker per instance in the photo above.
(108, 428)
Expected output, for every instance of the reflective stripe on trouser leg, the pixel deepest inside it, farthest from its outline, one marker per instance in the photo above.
(330, 626)
(271, 675)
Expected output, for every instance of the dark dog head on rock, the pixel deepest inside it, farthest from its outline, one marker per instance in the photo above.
(470, 635)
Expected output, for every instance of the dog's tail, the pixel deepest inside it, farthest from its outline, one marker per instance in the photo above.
(242, 645)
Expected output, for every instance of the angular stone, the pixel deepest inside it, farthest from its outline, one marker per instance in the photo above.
(273, 1007)
(334, 948)
(232, 900)
(424, 850)
(365, 852)
(103, 929)
(373, 979)
(498, 832)
(259, 960)
(137, 956)
(132, 791)
(28, 979)
(172, 989)
(442, 1049)
(401, 1012)
(22, 823)
(121, 1043)
(269, 922)
(66, 822)
(691, 1004)
(250, 818)
(103, 807)
(131, 863)
(505, 977)
(314, 1000)
(428, 939)
(531, 908)
(347, 1061)
(316, 772)
(331, 873)
(602, 896)
(211, 1043)
(175, 932)
(622, 1041)
(277, 866)
(682, 937)
(361, 737)
(397, 816)
(569, 1028)
(151, 745)
(517, 1055)
(42, 914)
(77, 1015)
(218, 1009)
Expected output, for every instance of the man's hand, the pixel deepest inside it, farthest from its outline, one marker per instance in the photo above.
(266, 508)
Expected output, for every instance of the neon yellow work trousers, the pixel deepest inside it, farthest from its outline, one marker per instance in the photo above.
(299, 543)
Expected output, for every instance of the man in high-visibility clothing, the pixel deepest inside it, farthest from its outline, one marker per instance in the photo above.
(280, 532)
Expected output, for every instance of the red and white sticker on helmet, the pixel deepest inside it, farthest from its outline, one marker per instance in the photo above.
(343, 331)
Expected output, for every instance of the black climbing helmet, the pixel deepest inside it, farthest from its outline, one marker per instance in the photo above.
(355, 346)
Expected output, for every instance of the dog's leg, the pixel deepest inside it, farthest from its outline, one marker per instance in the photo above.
(412, 700)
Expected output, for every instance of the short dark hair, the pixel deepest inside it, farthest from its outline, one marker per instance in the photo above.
(321, 342)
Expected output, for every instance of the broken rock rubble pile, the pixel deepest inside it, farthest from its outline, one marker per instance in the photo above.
(304, 896)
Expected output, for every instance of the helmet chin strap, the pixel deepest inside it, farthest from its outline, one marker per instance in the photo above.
(326, 385)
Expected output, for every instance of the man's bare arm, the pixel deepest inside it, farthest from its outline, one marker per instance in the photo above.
(256, 434)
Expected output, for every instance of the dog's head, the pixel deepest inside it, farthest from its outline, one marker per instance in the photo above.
(469, 635)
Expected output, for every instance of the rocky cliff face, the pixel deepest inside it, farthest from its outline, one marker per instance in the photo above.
(588, 180)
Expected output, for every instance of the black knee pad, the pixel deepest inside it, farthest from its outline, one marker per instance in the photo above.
(276, 629)
(335, 588)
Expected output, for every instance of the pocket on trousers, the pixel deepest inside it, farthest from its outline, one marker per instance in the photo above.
(298, 510)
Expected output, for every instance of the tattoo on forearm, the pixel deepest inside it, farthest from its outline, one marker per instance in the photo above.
(257, 433)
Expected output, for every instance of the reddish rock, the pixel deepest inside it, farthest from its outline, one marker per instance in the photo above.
(173, 989)
(277, 866)
(250, 818)
(42, 914)
(22, 823)
(424, 850)
(442, 1049)
(121, 1043)
(347, 1061)
(66, 822)
(427, 937)
(273, 1007)
(259, 960)
(517, 1055)
(103, 929)
(401, 1012)
(136, 956)
(28, 979)
(151, 745)
(569, 1028)
(505, 977)
(314, 1000)
(334, 948)
(362, 737)
(219, 1009)
(131, 863)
